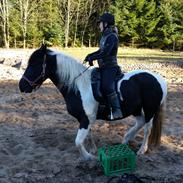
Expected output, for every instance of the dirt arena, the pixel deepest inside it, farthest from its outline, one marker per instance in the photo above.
(37, 135)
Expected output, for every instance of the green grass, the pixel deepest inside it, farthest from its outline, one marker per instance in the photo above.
(125, 54)
(131, 54)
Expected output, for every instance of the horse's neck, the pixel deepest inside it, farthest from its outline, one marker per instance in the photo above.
(65, 72)
(60, 86)
(67, 68)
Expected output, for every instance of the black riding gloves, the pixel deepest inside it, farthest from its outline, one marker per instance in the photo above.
(91, 63)
(88, 59)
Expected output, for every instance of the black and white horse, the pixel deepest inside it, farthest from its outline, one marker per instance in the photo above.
(142, 95)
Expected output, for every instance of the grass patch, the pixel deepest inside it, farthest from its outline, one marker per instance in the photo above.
(130, 54)
(124, 54)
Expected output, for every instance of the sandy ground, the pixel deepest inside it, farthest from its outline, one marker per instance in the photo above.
(37, 135)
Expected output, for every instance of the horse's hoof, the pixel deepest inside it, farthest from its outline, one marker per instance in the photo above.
(93, 151)
(89, 157)
(125, 142)
(141, 151)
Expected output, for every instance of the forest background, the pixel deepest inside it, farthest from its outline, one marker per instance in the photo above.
(73, 23)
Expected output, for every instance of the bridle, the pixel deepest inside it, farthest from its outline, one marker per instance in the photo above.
(41, 76)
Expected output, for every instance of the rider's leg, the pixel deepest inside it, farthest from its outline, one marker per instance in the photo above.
(108, 88)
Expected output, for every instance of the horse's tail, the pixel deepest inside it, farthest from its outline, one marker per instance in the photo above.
(155, 136)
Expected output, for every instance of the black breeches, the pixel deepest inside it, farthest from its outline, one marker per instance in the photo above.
(108, 76)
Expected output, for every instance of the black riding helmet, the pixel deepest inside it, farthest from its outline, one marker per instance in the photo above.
(108, 18)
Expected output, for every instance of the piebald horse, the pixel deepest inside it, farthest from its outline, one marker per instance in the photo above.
(142, 95)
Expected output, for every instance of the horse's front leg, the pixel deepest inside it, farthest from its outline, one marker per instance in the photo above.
(80, 138)
(87, 117)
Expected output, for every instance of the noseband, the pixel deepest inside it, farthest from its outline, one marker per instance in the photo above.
(42, 75)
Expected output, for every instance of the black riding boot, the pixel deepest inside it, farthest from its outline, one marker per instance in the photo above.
(114, 104)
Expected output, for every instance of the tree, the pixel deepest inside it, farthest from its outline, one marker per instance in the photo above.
(25, 9)
(178, 7)
(15, 30)
(152, 23)
(149, 17)
(4, 15)
(126, 20)
(66, 9)
(48, 23)
(91, 11)
(137, 20)
(87, 13)
(77, 19)
(171, 27)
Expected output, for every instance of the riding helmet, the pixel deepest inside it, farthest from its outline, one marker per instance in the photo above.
(108, 18)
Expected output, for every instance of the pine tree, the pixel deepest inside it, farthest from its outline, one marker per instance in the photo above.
(171, 27)
(137, 20)
(48, 23)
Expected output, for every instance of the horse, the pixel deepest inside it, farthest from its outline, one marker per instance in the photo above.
(142, 94)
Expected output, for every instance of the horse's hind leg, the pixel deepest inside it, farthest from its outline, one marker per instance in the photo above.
(140, 121)
(94, 147)
(147, 132)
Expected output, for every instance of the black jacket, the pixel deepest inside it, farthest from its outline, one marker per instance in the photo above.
(107, 53)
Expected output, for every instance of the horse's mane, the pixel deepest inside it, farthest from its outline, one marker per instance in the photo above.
(68, 68)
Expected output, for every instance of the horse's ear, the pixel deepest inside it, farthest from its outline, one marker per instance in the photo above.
(43, 47)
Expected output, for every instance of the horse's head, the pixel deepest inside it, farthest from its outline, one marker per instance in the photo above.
(36, 72)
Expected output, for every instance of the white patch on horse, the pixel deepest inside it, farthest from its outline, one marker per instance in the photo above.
(81, 135)
(130, 135)
(89, 103)
(68, 69)
(80, 138)
(147, 132)
(163, 85)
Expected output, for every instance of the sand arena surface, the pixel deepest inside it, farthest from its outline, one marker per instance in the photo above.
(37, 135)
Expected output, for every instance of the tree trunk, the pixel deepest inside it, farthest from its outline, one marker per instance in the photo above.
(4, 13)
(67, 24)
(76, 26)
(24, 11)
(15, 42)
(89, 41)
(86, 24)
(174, 42)
(4, 34)
(7, 25)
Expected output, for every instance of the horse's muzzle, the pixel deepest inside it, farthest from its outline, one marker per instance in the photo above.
(24, 86)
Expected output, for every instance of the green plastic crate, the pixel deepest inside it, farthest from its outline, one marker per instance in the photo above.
(117, 159)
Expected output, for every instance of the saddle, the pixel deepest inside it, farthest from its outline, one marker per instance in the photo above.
(96, 84)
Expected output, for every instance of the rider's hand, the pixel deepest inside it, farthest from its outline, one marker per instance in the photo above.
(91, 63)
(88, 59)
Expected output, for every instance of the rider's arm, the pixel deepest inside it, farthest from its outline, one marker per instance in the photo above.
(94, 53)
(105, 51)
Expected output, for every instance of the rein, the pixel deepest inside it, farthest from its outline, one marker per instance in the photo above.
(82, 73)
(42, 75)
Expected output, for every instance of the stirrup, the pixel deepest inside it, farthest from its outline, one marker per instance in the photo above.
(112, 117)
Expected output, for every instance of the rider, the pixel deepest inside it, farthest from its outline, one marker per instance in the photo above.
(107, 61)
